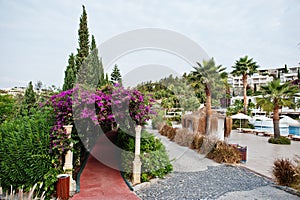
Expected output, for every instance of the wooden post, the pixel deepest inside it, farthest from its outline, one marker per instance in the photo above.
(136, 179)
(68, 166)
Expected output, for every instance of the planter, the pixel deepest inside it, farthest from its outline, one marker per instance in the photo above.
(243, 152)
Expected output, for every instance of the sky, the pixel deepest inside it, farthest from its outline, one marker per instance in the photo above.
(37, 37)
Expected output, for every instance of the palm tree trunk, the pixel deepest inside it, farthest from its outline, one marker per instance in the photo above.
(276, 122)
(208, 111)
(245, 93)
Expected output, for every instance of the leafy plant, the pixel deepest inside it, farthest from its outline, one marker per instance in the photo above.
(7, 104)
(24, 149)
(280, 140)
(154, 158)
(158, 119)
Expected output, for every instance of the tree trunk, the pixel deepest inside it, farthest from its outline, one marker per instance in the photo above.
(245, 98)
(245, 93)
(276, 122)
(208, 111)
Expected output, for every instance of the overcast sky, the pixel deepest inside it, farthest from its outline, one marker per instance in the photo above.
(37, 37)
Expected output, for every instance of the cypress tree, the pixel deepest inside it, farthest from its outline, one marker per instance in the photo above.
(92, 73)
(115, 76)
(70, 73)
(99, 65)
(83, 40)
(93, 43)
(286, 69)
(106, 80)
(29, 100)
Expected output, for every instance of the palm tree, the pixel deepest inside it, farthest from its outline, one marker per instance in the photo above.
(244, 67)
(208, 75)
(275, 96)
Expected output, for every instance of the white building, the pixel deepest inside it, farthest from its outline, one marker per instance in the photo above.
(263, 77)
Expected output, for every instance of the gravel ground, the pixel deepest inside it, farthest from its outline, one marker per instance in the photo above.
(220, 182)
(210, 181)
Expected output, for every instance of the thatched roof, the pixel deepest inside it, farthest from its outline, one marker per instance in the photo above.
(201, 113)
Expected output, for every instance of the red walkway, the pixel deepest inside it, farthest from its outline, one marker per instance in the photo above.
(99, 181)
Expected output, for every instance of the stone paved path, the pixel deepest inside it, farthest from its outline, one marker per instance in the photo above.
(261, 154)
(205, 179)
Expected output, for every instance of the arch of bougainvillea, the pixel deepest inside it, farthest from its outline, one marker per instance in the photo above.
(113, 105)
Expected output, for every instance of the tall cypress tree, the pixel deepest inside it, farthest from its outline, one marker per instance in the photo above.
(29, 100)
(93, 43)
(115, 76)
(70, 73)
(83, 40)
(92, 70)
(98, 63)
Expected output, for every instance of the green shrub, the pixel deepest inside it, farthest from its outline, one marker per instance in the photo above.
(24, 151)
(168, 122)
(284, 172)
(154, 158)
(224, 153)
(236, 124)
(280, 140)
(176, 118)
(158, 119)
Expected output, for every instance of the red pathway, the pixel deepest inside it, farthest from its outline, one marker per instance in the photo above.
(99, 181)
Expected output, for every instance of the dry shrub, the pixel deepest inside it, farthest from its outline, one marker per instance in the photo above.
(183, 137)
(284, 172)
(197, 142)
(168, 131)
(163, 130)
(296, 185)
(208, 144)
(224, 153)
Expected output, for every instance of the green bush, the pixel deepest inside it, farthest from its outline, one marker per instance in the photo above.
(236, 124)
(154, 158)
(280, 140)
(24, 151)
(176, 118)
(158, 119)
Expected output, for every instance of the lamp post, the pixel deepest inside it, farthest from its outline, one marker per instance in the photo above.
(137, 161)
(68, 166)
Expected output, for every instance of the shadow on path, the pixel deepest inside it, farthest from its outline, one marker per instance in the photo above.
(98, 181)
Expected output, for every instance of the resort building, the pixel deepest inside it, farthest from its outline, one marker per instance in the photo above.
(262, 78)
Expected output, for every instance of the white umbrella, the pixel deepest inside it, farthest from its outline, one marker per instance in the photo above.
(240, 116)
